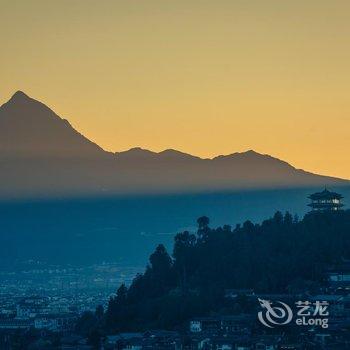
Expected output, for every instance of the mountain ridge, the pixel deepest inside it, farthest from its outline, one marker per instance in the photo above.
(58, 160)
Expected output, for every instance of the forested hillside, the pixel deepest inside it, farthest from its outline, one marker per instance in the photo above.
(281, 255)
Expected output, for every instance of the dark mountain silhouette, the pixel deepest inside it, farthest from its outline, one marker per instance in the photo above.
(43, 155)
(28, 128)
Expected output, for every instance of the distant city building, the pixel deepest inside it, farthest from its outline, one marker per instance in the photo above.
(55, 323)
(234, 323)
(29, 307)
(338, 275)
(326, 201)
(11, 323)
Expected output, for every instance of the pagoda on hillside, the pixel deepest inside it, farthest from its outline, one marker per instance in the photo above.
(326, 201)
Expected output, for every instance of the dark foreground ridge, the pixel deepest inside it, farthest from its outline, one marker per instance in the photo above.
(216, 280)
(281, 255)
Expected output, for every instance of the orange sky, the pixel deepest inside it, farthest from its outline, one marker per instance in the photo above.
(205, 77)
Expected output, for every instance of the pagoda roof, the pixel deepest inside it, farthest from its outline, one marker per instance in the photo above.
(325, 194)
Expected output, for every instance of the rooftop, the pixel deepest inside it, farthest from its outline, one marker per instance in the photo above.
(325, 194)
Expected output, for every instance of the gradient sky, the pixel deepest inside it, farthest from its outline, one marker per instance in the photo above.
(205, 77)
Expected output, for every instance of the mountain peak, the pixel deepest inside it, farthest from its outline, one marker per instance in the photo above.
(135, 153)
(28, 128)
(252, 157)
(20, 101)
(19, 96)
(251, 151)
(20, 93)
(172, 154)
(246, 154)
